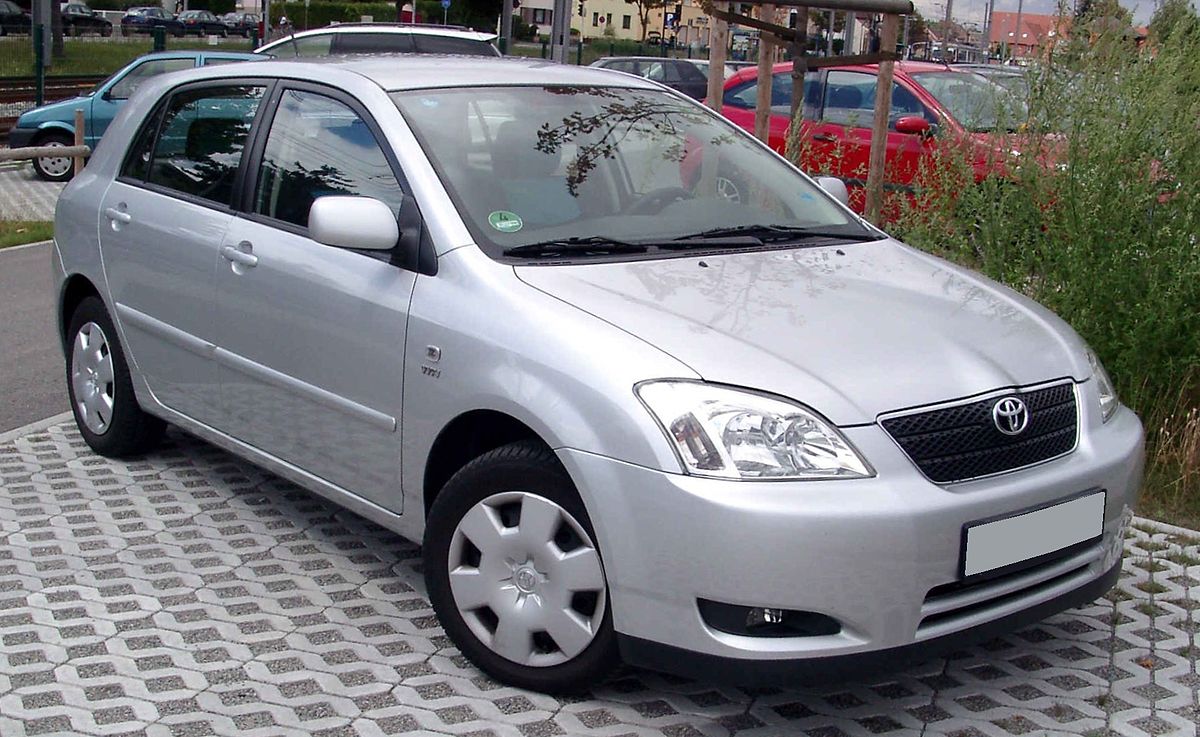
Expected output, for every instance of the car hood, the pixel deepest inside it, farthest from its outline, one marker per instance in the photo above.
(852, 331)
(63, 110)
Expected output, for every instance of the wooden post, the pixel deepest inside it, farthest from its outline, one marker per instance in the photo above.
(718, 41)
(78, 163)
(766, 60)
(883, 109)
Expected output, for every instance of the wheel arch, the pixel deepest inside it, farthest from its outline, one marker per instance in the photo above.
(76, 288)
(51, 127)
(465, 438)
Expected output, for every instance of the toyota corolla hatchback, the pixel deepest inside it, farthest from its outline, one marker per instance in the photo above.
(505, 308)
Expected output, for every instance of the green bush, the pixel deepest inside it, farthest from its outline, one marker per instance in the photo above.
(1098, 218)
(323, 13)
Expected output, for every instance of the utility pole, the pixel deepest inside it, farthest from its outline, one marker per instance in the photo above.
(1017, 30)
(946, 32)
(987, 29)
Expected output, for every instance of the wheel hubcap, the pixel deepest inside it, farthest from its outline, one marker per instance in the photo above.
(527, 579)
(92, 378)
(55, 166)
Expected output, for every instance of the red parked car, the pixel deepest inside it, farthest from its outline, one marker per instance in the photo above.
(933, 106)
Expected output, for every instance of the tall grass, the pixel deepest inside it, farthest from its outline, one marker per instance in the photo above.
(1098, 218)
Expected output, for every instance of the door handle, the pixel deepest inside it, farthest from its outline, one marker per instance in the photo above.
(826, 137)
(239, 257)
(119, 215)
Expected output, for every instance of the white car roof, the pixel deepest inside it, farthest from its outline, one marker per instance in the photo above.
(406, 30)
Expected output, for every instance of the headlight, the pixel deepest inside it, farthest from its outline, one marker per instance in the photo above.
(726, 433)
(1104, 385)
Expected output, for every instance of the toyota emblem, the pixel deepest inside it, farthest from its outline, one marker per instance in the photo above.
(1010, 415)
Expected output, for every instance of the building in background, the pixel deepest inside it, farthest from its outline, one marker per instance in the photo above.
(1035, 38)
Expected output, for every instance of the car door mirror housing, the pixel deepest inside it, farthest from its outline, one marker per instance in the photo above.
(836, 188)
(915, 125)
(353, 222)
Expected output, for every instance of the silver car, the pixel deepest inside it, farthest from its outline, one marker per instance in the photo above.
(509, 309)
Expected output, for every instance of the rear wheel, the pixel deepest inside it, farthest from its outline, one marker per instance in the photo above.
(515, 575)
(54, 168)
(101, 390)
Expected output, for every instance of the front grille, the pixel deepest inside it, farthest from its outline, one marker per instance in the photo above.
(962, 442)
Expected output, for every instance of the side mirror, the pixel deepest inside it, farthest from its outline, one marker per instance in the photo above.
(836, 188)
(353, 222)
(915, 125)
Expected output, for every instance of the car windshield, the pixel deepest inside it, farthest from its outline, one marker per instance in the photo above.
(532, 165)
(976, 103)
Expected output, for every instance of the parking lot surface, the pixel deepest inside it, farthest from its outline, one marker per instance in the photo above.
(25, 197)
(190, 593)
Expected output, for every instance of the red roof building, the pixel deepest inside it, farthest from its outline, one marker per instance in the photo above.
(1037, 33)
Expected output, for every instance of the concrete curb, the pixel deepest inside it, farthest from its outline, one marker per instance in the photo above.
(23, 246)
(11, 435)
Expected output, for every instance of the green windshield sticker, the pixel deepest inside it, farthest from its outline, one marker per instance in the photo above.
(505, 221)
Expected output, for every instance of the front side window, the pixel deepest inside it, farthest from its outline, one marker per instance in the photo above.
(373, 43)
(317, 147)
(201, 140)
(124, 89)
(528, 164)
(850, 100)
(429, 44)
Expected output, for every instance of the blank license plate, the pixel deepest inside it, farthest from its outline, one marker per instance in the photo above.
(1018, 538)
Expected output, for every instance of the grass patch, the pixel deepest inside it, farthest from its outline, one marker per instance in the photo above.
(18, 232)
(96, 56)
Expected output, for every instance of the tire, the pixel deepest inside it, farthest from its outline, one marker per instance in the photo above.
(54, 168)
(106, 31)
(100, 389)
(561, 637)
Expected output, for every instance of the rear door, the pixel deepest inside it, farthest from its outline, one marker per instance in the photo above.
(740, 102)
(161, 226)
(311, 337)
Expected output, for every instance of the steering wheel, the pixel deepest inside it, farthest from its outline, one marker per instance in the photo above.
(655, 200)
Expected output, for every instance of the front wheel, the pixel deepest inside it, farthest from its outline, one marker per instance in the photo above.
(54, 168)
(101, 390)
(515, 575)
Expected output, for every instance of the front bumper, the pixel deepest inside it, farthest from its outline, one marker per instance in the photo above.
(867, 552)
(21, 137)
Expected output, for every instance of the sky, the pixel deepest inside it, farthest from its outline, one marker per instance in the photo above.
(973, 10)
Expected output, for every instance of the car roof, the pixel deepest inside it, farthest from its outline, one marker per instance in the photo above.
(642, 58)
(398, 72)
(421, 30)
(902, 67)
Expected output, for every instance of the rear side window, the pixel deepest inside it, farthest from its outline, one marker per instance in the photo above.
(318, 146)
(451, 45)
(124, 89)
(372, 43)
(745, 95)
(201, 139)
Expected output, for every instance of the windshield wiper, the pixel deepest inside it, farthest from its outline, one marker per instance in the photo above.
(594, 244)
(769, 233)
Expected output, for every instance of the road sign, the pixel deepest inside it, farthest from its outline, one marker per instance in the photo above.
(445, 4)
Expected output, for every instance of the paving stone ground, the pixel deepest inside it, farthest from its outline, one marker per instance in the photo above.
(190, 593)
(25, 197)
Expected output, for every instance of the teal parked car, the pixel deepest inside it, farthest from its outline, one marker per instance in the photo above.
(54, 124)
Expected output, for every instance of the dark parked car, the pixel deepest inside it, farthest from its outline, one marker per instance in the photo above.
(146, 19)
(79, 19)
(678, 74)
(13, 19)
(241, 24)
(202, 23)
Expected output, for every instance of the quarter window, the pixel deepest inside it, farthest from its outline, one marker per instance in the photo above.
(317, 147)
(201, 140)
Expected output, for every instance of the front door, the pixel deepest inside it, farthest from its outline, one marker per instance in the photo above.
(311, 337)
(840, 141)
(161, 227)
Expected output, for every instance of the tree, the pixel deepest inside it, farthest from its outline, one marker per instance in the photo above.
(643, 11)
(1172, 16)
